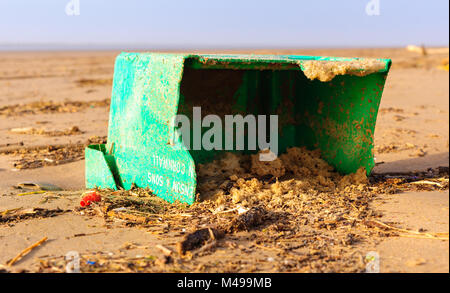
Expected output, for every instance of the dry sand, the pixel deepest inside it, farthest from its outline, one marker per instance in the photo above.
(411, 134)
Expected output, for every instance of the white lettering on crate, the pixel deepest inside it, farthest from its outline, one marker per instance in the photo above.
(169, 164)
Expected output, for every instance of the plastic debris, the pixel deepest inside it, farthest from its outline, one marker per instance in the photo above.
(38, 186)
(89, 197)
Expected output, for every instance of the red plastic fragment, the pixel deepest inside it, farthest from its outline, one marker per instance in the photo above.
(89, 197)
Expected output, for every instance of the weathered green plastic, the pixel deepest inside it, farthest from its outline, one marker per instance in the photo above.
(336, 116)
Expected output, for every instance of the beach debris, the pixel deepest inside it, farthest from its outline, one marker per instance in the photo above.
(427, 182)
(406, 232)
(84, 234)
(442, 170)
(9, 211)
(74, 130)
(128, 216)
(390, 110)
(94, 82)
(21, 130)
(49, 155)
(22, 214)
(246, 221)
(312, 215)
(38, 186)
(198, 238)
(417, 49)
(427, 51)
(90, 197)
(415, 262)
(4, 269)
(25, 252)
(166, 251)
(12, 144)
(394, 147)
(419, 153)
(32, 192)
(404, 179)
(49, 198)
(243, 222)
(102, 261)
(50, 107)
(444, 64)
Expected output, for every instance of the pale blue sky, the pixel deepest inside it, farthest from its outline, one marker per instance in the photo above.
(224, 24)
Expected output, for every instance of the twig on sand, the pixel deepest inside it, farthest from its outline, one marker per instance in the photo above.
(165, 250)
(440, 236)
(25, 252)
(426, 182)
(428, 236)
(5, 212)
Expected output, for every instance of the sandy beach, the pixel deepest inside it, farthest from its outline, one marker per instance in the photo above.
(54, 103)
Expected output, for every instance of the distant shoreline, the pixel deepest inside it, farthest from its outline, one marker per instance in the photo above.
(148, 47)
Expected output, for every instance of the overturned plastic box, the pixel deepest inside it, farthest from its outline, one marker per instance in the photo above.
(320, 102)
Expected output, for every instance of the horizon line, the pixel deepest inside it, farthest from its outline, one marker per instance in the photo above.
(143, 46)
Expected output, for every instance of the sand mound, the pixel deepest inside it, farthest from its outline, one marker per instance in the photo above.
(287, 180)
